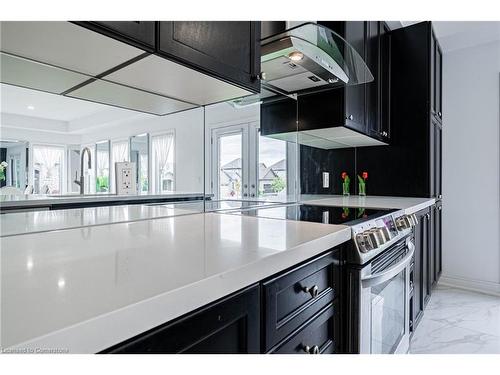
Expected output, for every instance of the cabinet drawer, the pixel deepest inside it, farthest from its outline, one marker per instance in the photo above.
(287, 302)
(316, 337)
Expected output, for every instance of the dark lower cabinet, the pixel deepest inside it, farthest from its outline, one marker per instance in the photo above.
(419, 280)
(316, 337)
(295, 311)
(228, 326)
(293, 298)
(225, 49)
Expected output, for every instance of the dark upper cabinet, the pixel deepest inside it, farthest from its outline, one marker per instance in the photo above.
(228, 326)
(355, 33)
(229, 50)
(439, 81)
(415, 133)
(364, 108)
(141, 34)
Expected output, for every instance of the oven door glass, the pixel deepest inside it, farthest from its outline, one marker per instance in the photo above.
(388, 314)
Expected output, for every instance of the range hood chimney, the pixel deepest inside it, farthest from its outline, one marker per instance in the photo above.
(308, 57)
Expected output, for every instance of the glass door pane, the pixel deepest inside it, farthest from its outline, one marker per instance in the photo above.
(230, 166)
(388, 315)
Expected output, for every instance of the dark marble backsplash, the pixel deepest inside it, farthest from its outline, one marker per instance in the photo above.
(315, 161)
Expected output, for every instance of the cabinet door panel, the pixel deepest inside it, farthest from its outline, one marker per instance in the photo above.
(229, 326)
(439, 82)
(355, 34)
(373, 88)
(142, 32)
(319, 332)
(432, 65)
(226, 49)
(385, 81)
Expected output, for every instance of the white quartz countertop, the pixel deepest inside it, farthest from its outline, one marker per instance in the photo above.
(36, 200)
(409, 205)
(43, 221)
(83, 290)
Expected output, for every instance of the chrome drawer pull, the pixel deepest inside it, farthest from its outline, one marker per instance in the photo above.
(311, 350)
(313, 291)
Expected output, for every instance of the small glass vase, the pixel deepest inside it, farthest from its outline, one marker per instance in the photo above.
(345, 188)
(362, 188)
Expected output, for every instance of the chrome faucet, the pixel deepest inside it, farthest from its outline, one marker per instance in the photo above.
(81, 183)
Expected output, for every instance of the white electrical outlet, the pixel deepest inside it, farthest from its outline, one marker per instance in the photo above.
(326, 179)
(125, 180)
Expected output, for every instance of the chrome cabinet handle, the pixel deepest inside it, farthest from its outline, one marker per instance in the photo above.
(350, 117)
(311, 349)
(313, 291)
(428, 216)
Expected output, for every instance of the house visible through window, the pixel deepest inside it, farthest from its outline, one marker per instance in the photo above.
(48, 164)
(163, 162)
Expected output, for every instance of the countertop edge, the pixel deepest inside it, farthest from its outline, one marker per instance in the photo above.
(129, 321)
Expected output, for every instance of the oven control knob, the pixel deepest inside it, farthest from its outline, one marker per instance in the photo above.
(415, 219)
(374, 238)
(386, 233)
(364, 242)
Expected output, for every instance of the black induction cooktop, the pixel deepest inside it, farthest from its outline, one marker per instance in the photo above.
(318, 214)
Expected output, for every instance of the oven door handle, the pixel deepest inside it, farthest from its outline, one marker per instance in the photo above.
(388, 274)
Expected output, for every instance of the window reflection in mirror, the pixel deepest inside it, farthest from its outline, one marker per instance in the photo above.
(102, 161)
(14, 156)
(139, 154)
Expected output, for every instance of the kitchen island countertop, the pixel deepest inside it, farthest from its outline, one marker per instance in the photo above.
(83, 290)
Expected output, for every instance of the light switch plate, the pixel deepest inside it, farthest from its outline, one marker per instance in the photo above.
(125, 178)
(326, 179)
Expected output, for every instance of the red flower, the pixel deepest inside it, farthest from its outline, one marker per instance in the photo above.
(343, 175)
(364, 175)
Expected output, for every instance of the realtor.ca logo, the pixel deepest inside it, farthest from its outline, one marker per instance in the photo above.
(34, 350)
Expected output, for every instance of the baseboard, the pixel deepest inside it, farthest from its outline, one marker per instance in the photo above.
(486, 287)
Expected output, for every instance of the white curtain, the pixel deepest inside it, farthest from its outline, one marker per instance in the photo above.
(102, 162)
(162, 147)
(120, 151)
(48, 161)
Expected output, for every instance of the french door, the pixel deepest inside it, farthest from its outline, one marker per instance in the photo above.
(247, 166)
(233, 154)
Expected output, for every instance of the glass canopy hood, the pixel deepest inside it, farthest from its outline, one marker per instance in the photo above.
(309, 57)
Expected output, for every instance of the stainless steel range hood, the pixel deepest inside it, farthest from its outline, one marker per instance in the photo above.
(308, 57)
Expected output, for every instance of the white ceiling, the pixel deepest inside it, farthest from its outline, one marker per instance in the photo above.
(454, 35)
(16, 100)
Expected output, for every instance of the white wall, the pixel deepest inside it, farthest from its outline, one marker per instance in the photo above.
(471, 206)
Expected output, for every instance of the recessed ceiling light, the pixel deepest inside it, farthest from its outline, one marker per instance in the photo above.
(296, 56)
(31, 107)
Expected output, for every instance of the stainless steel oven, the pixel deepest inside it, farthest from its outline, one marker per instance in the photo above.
(379, 307)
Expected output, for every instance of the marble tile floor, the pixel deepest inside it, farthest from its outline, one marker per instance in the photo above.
(458, 321)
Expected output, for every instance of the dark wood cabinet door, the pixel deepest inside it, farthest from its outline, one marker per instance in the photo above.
(432, 251)
(355, 97)
(373, 88)
(419, 270)
(438, 160)
(317, 336)
(141, 34)
(384, 93)
(432, 67)
(439, 82)
(229, 50)
(231, 325)
(438, 241)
